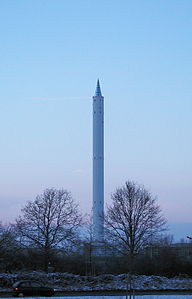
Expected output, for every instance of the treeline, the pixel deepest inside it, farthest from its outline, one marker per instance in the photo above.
(52, 235)
(15, 257)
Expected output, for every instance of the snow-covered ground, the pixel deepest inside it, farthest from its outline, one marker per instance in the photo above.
(120, 297)
(136, 297)
(106, 282)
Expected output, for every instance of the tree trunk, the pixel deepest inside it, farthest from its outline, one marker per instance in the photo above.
(46, 259)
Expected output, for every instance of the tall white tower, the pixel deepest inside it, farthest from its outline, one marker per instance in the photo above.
(98, 168)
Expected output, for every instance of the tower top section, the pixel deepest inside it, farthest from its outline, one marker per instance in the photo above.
(98, 90)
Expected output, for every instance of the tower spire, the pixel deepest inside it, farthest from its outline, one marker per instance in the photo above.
(98, 90)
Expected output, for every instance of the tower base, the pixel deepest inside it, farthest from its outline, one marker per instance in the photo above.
(98, 258)
(98, 249)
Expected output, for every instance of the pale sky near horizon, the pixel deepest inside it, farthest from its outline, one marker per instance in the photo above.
(51, 54)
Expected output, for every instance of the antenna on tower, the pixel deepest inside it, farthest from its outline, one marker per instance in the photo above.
(98, 90)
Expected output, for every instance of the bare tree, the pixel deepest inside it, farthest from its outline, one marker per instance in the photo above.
(9, 248)
(50, 221)
(7, 238)
(134, 219)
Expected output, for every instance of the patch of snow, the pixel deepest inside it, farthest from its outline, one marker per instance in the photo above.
(108, 282)
(119, 297)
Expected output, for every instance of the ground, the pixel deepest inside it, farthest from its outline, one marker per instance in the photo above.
(71, 282)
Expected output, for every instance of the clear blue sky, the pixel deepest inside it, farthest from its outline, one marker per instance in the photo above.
(51, 54)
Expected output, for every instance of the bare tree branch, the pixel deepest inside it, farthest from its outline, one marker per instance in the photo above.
(134, 219)
(51, 220)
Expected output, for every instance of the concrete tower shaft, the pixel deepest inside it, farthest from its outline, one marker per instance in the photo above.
(98, 165)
